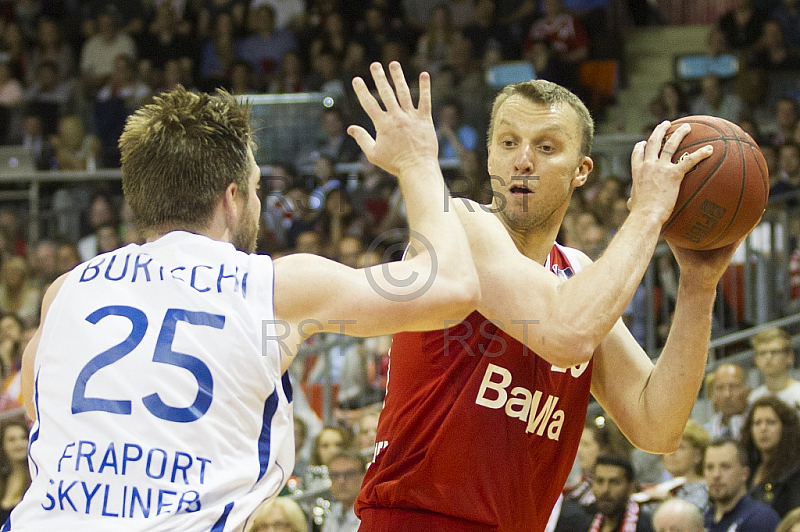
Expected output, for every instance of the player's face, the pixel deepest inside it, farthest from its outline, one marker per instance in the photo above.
(346, 476)
(683, 460)
(535, 162)
(244, 237)
(611, 489)
(767, 429)
(725, 476)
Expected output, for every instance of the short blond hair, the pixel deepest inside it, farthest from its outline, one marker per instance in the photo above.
(180, 153)
(770, 335)
(697, 437)
(547, 93)
(291, 512)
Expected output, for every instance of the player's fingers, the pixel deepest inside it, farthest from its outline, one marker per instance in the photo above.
(637, 157)
(363, 138)
(674, 140)
(400, 85)
(425, 93)
(689, 160)
(366, 99)
(384, 89)
(654, 142)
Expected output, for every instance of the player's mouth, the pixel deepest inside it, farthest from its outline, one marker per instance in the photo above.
(520, 190)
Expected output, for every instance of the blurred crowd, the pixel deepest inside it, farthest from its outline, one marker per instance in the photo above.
(71, 72)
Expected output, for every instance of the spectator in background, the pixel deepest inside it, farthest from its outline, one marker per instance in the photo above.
(685, 462)
(327, 77)
(10, 88)
(42, 260)
(48, 91)
(14, 49)
(677, 515)
(335, 142)
(613, 483)
(11, 328)
(218, 52)
(456, 139)
(714, 101)
(125, 85)
(547, 65)
(17, 295)
(787, 117)
(291, 77)
(102, 213)
(282, 514)
(265, 46)
(32, 137)
(346, 471)
(771, 52)
(728, 392)
(771, 437)
(167, 37)
(333, 36)
(485, 31)
(287, 12)
(787, 13)
(211, 10)
(742, 26)
(101, 50)
(50, 46)
(67, 257)
(329, 442)
(433, 46)
(565, 32)
(774, 357)
(72, 147)
(671, 103)
(731, 508)
(241, 79)
(787, 178)
(15, 476)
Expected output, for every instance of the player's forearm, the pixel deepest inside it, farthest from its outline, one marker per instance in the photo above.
(436, 230)
(591, 302)
(677, 376)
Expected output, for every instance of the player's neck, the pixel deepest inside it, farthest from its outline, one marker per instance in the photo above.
(534, 243)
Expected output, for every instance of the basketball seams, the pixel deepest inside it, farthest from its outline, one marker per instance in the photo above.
(742, 186)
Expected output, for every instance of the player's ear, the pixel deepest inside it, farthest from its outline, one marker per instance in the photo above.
(229, 203)
(582, 172)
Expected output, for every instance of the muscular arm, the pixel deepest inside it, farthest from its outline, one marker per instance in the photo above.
(436, 284)
(651, 403)
(27, 376)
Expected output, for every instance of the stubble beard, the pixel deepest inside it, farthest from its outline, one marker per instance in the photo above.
(246, 235)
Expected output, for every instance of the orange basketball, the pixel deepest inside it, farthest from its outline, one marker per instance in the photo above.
(724, 195)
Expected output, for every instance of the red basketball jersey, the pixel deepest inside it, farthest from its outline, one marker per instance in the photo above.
(476, 429)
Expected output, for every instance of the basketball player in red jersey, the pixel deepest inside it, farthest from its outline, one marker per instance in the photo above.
(482, 419)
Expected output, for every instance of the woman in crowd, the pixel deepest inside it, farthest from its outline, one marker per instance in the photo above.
(282, 514)
(14, 475)
(17, 295)
(771, 436)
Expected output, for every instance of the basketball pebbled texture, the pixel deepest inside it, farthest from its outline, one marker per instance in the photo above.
(723, 196)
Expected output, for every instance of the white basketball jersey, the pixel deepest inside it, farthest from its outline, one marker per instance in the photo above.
(159, 395)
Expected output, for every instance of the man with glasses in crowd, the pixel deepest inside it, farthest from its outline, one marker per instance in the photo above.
(774, 358)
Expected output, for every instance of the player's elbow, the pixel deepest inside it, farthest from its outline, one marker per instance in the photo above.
(566, 347)
(460, 296)
(656, 442)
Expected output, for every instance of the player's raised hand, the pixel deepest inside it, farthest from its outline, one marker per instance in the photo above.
(405, 137)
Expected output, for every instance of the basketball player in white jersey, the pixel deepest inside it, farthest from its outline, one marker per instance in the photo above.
(158, 376)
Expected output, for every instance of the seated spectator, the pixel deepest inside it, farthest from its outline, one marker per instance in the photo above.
(456, 139)
(17, 295)
(742, 26)
(67, 257)
(10, 88)
(72, 147)
(14, 50)
(671, 103)
(334, 141)
(714, 101)
(329, 442)
(726, 473)
(102, 213)
(241, 79)
(265, 47)
(685, 462)
(787, 178)
(32, 137)
(772, 53)
(50, 46)
(771, 437)
(346, 471)
(15, 475)
(212, 10)
(787, 13)
(100, 51)
(167, 37)
(565, 32)
(485, 31)
(787, 117)
(677, 515)
(11, 328)
(125, 85)
(613, 483)
(327, 76)
(291, 77)
(281, 514)
(332, 36)
(433, 46)
(42, 259)
(48, 88)
(218, 53)
(547, 65)
(774, 357)
(728, 392)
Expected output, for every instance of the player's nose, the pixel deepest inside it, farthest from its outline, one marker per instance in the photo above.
(523, 164)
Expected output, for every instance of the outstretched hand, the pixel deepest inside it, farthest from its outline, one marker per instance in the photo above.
(405, 136)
